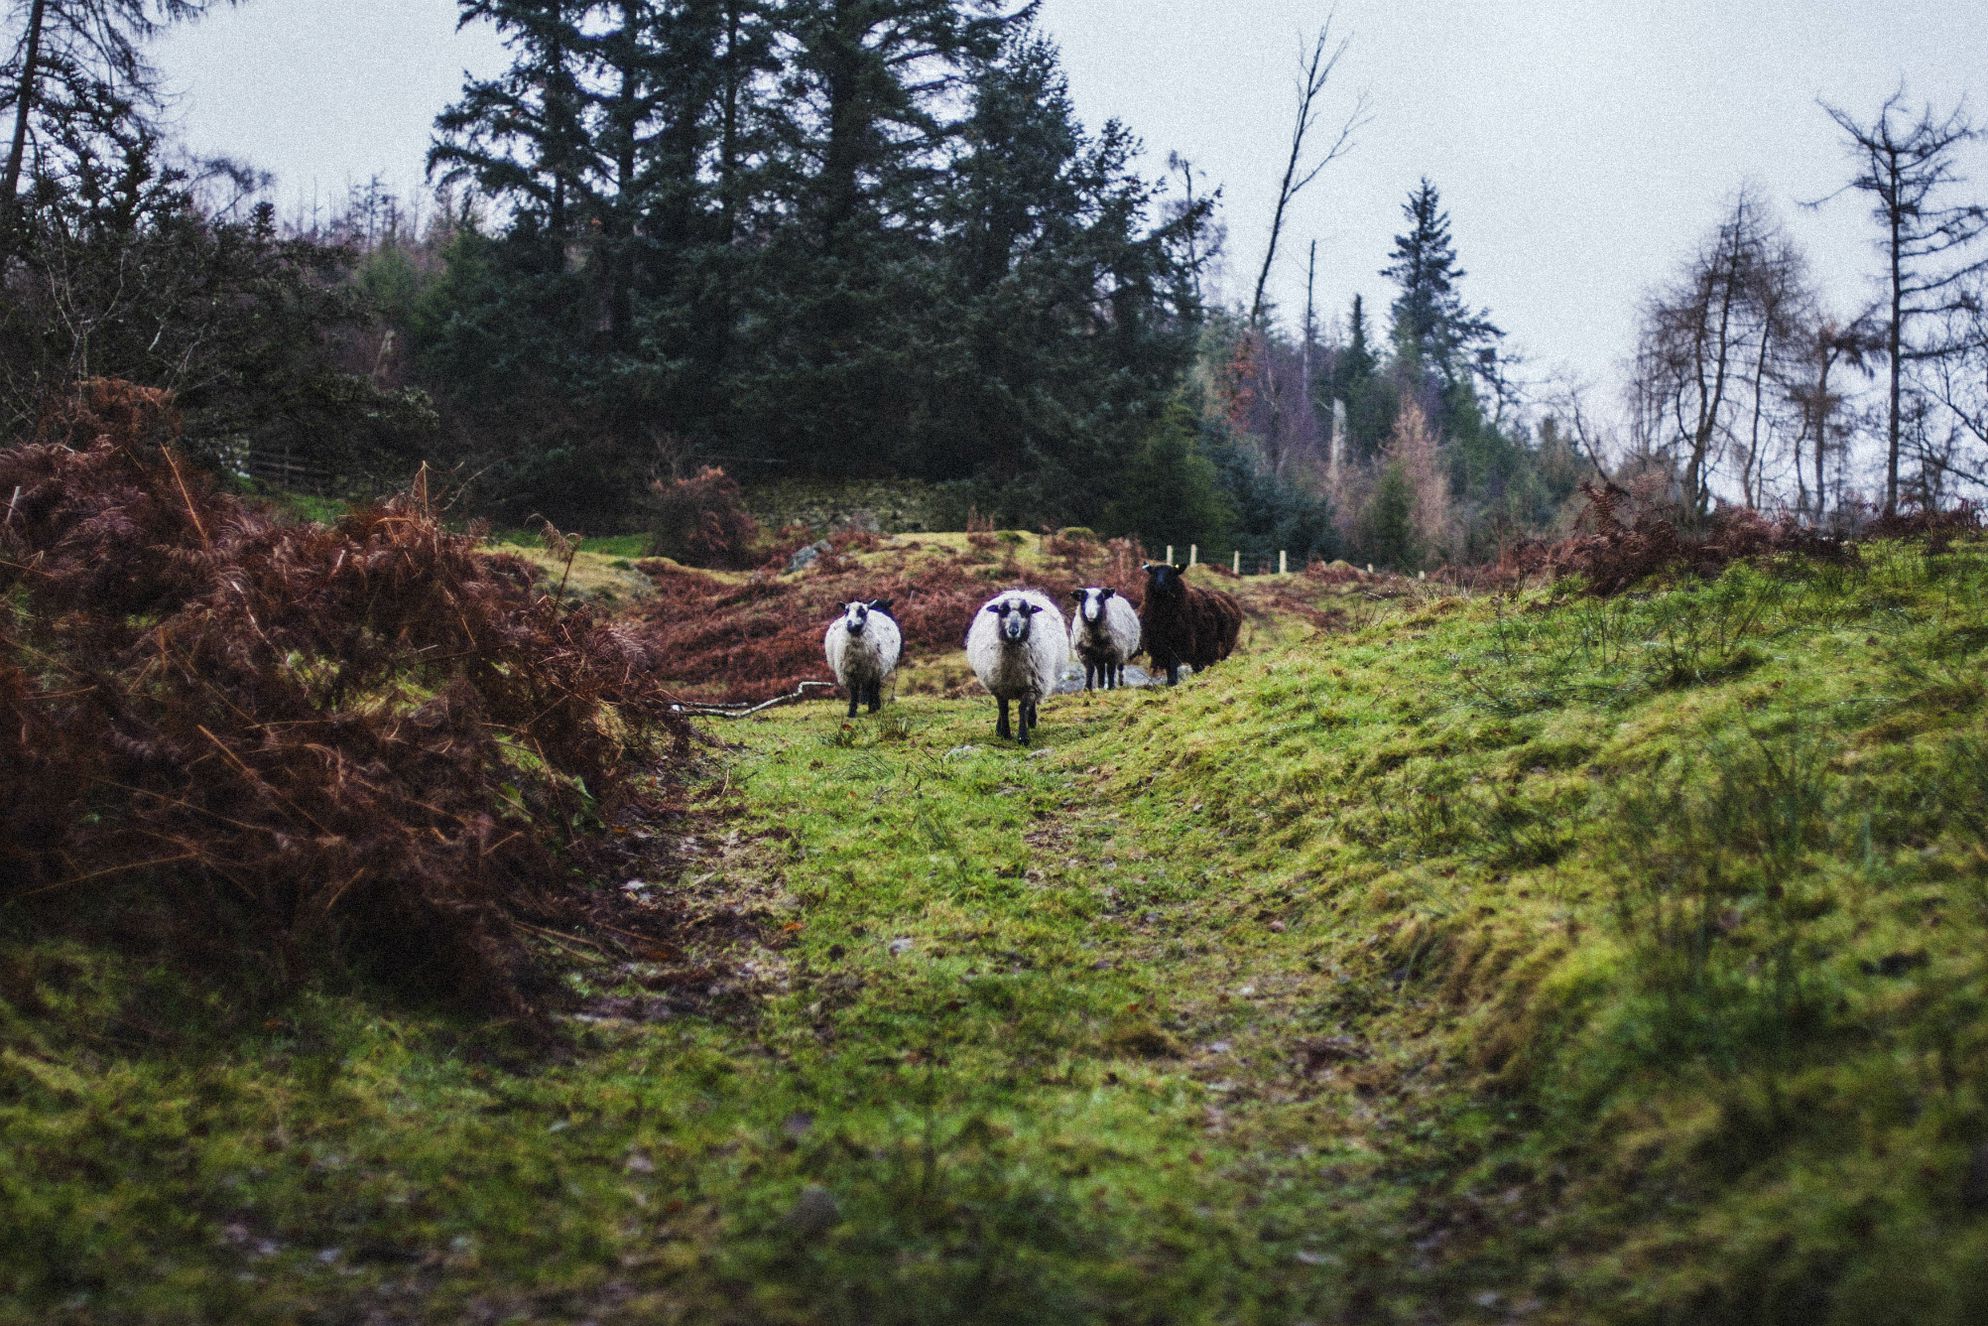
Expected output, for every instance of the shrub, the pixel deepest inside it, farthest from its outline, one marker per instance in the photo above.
(288, 746)
(702, 521)
(1617, 546)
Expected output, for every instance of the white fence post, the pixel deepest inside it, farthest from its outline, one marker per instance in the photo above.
(1194, 554)
(1169, 554)
(1236, 561)
(1283, 562)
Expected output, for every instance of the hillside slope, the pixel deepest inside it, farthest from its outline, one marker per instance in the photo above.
(1539, 958)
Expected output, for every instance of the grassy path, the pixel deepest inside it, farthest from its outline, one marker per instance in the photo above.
(1070, 1053)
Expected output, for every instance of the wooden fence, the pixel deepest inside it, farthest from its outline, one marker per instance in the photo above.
(1235, 561)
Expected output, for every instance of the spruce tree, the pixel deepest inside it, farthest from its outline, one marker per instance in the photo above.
(1431, 321)
(1067, 304)
(523, 136)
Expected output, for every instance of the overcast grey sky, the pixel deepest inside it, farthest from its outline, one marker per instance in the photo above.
(1581, 146)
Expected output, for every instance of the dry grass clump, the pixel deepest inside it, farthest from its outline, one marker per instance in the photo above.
(286, 745)
(1619, 543)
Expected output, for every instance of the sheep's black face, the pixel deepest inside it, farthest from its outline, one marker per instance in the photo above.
(1016, 617)
(855, 617)
(1163, 579)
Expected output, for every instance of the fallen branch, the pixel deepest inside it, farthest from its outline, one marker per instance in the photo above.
(740, 708)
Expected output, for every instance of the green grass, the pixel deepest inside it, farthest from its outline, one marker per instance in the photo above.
(1538, 957)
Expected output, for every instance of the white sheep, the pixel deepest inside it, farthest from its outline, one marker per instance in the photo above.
(1015, 656)
(1104, 632)
(863, 645)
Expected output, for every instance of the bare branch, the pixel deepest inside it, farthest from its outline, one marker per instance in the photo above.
(1314, 71)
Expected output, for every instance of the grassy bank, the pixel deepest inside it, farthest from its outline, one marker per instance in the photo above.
(1537, 958)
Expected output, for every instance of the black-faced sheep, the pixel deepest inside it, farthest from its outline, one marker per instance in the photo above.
(1015, 655)
(863, 645)
(1186, 624)
(1104, 632)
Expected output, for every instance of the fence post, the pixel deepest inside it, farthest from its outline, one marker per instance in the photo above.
(1194, 554)
(1169, 554)
(1236, 561)
(1283, 562)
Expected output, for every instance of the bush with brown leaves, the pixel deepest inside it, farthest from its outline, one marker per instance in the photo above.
(290, 746)
(702, 520)
(1618, 544)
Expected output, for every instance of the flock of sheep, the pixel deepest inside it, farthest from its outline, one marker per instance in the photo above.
(1019, 655)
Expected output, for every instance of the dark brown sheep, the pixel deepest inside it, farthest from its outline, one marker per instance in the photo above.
(1185, 624)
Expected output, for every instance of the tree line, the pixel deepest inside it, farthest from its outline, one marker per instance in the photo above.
(872, 238)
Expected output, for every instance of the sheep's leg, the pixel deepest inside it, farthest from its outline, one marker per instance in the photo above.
(876, 696)
(1090, 674)
(1027, 719)
(854, 692)
(1173, 674)
(1001, 728)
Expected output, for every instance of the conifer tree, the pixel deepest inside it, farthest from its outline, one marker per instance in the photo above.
(523, 136)
(1431, 321)
(78, 78)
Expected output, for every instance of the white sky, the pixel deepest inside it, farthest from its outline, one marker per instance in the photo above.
(1581, 146)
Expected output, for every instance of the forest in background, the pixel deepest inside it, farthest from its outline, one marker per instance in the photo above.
(824, 240)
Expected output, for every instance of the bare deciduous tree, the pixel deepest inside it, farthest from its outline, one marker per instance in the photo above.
(1827, 344)
(1910, 170)
(1314, 71)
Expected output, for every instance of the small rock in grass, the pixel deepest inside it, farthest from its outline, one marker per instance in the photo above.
(815, 1211)
(797, 1123)
(899, 947)
(804, 558)
(638, 1162)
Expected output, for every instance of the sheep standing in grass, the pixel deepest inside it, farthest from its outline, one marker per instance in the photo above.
(863, 645)
(1017, 652)
(1104, 632)
(1184, 624)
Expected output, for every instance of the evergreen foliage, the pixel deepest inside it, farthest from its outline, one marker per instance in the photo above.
(1173, 492)
(1431, 322)
(833, 238)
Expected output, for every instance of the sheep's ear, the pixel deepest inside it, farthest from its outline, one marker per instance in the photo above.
(1106, 593)
(880, 605)
(1150, 567)
(992, 607)
(1180, 567)
(1031, 608)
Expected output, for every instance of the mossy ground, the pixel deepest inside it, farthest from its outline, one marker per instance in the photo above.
(1535, 958)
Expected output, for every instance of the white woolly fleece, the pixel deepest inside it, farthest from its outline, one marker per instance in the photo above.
(858, 660)
(1018, 669)
(1113, 637)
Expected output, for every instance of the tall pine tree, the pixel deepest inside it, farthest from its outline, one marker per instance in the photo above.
(1431, 321)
